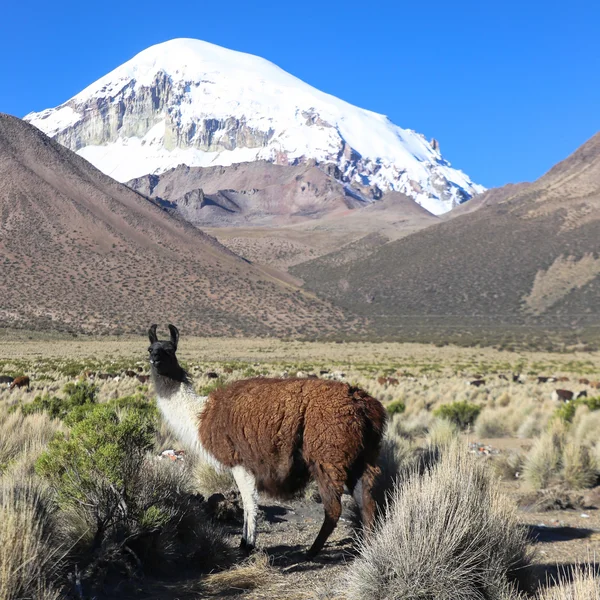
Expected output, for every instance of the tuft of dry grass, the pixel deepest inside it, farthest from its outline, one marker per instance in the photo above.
(542, 464)
(449, 535)
(442, 433)
(208, 481)
(28, 558)
(579, 468)
(583, 585)
(253, 573)
(23, 438)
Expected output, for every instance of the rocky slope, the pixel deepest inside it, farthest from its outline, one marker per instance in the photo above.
(529, 255)
(256, 193)
(190, 102)
(81, 252)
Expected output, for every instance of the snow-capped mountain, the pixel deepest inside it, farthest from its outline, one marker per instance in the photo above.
(189, 102)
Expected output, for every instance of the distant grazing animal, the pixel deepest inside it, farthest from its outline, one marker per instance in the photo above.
(477, 382)
(143, 378)
(130, 373)
(6, 379)
(212, 375)
(562, 379)
(20, 382)
(584, 381)
(546, 379)
(595, 385)
(275, 434)
(387, 381)
(568, 395)
(563, 395)
(502, 376)
(516, 378)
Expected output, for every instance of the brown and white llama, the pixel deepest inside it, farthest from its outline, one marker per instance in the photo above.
(274, 435)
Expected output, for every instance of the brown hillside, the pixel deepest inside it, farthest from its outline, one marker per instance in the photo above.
(282, 215)
(81, 252)
(529, 255)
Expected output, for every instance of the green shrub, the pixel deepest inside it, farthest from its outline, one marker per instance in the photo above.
(396, 407)
(215, 384)
(462, 414)
(125, 509)
(76, 395)
(566, 412)
(103, 446)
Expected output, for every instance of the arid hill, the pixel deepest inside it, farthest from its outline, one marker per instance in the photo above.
(529, 254)
(81, 252)
(282, 215)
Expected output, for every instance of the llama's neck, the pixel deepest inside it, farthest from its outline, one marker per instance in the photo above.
(181, 408)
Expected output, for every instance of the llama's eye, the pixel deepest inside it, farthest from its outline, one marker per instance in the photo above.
(149, 349)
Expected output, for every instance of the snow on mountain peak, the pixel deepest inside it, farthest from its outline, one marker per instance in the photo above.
(187, 101)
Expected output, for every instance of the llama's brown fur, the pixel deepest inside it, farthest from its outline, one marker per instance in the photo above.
(286, 430)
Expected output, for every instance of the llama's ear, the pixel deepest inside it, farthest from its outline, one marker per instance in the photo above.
(152, 334)
(174, 335)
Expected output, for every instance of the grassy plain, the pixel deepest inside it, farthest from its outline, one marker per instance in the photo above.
(544, 457)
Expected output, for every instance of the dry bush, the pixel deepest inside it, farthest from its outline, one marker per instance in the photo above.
(414, 425)
(491, 424)
(28, 557)
(543, 463)
(566, 453)
(396, 460)
(208, 481)
(586, 426)
(583, 585)
(442, 433)
(508, 466)
(449, 535)
(579, 468)
(23, 438)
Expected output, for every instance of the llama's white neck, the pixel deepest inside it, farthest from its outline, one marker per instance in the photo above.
(182, 410)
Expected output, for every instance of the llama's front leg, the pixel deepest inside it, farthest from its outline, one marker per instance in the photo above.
(247, 486)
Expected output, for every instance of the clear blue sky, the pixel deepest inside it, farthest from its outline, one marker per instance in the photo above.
(508, 88)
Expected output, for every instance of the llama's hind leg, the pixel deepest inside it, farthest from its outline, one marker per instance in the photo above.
(331, 488)
(247, 485)
(367, 503)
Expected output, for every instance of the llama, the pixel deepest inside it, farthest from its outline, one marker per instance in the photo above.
(20, 382)
(275, 434)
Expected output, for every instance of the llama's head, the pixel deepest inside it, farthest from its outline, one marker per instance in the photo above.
(162, 354)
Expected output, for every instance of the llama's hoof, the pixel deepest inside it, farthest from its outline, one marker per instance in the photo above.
(246, 547)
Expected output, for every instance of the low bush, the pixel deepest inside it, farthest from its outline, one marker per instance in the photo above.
(449, 535)
(76, 395)
(582, 584)
(579, 469)
(125, 508)
(462, 414)
(396, 407)
(442, 433)
(567, 411)
(543, 462)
